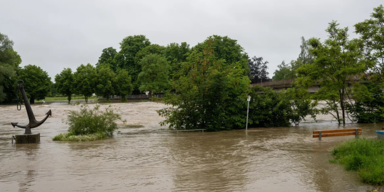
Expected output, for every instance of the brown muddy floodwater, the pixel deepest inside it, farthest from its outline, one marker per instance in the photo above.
(151, 158)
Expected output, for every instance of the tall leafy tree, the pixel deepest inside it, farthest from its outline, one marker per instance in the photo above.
(371, 33)
(176, 54)
(124, 86)
(9, 63)
(37, 83)
(125, 59)
(226, 49)
(65, 83)
(283, 71)
(258, 70)
(207, 93)
(368, 96)
(105, 82)
(85, 80)
(154, 74)
(107, 58)
(150, 49)
(288, 71)
(337, 61)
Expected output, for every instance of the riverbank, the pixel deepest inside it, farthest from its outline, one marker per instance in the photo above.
(364, 156)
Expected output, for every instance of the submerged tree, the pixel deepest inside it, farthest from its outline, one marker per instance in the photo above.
(208, 93)
(369, 98)
(337, 61)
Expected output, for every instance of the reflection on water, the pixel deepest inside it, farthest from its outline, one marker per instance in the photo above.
(152, 159)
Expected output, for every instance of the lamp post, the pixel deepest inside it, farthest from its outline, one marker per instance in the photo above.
(249, 99)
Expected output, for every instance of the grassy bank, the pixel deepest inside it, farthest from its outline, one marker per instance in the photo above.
(366, 156)
(72, 137)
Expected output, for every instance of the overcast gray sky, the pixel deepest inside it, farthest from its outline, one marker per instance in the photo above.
(57, 34)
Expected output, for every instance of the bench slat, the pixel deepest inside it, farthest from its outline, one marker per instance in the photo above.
(335, 134)
(338, 131)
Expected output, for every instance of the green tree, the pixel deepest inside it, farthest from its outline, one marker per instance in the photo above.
(371, 33)
(207, 94)
(105, 82)
(125, 59)
(85, 80)
(283, 72)
(65, 83)
(9, 63)
(368, 96)
(37, 83)
(289, 71)
(176, 54)
(258, 70)
(227, 49)
(124, 86)
(108, 58)
(337, 60)
(270, 109)
(154, 74)
(150, 49)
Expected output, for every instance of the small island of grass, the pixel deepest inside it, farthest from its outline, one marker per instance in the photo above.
(366, 156)
(89, 124)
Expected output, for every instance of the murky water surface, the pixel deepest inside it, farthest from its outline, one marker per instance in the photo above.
(151, 158)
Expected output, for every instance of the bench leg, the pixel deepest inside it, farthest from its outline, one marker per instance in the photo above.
(319, 135)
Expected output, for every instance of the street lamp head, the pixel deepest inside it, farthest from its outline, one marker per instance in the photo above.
(249, 98)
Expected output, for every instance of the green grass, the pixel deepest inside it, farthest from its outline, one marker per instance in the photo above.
(366, 156)
(71, 137)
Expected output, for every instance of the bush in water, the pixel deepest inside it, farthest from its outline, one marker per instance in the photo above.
(90, 124)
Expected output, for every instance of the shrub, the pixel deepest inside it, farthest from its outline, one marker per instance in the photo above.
(366, 156)
(89, 124)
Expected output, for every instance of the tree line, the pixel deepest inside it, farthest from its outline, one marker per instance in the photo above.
(348, 71)
(207, 85)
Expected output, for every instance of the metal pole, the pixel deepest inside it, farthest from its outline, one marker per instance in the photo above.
(249, 99)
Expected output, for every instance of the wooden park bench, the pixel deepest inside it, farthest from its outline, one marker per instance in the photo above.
(337, 132)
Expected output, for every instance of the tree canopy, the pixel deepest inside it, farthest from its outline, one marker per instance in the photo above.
(154, 74)
(37, 83)
(207, 93)
(84, 77)
(108, 58)
(9, 63)
(65, 83)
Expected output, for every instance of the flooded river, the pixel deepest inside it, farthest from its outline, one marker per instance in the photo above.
(151, 158)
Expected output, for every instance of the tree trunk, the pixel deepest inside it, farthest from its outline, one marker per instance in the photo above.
(337, 113)
(342, 105)
(32, 100)
(86, 99)
(69, 98)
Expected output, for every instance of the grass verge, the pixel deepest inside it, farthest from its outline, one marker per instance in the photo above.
(72, 137)
(366, 156)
